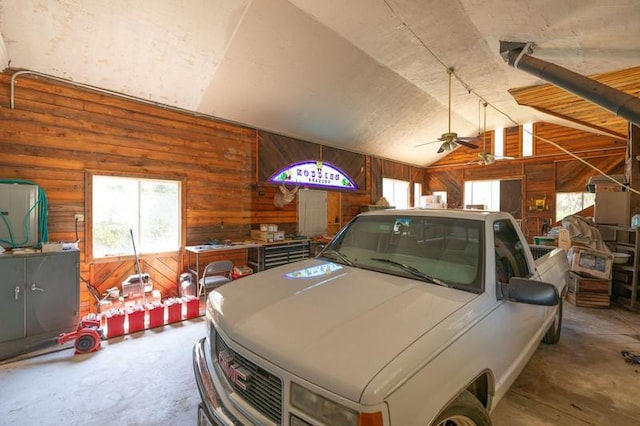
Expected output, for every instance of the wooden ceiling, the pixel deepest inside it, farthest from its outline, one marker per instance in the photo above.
(557, 102)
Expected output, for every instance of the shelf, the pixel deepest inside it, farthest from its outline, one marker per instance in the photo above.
(624, 246)
(627, 268)
(626, 276)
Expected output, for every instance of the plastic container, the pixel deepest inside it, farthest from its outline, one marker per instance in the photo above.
(115, 325)
(174, 312)
(156, 316)
(545, 241)
(187, 284)
(621, 258)
(136, 321)
(191, 308)
(635, 221)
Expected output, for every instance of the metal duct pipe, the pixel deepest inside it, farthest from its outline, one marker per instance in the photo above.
(618, 102)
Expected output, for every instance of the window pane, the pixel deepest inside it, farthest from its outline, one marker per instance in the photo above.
(482, 194)
(396, 192)
(417, 193)
(498, 142)
(159, 216)
(113, 215)
(568, 203)
(527, 139)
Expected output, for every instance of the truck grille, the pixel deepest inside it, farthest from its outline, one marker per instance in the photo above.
(263, 389)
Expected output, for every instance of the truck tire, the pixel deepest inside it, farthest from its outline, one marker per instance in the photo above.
(466, 410)
(552, 336)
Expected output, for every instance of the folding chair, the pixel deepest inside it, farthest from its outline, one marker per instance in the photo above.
(215, 274)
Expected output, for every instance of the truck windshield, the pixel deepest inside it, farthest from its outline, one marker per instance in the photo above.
(449, 251)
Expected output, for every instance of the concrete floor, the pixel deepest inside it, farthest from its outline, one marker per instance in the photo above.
(147, 379)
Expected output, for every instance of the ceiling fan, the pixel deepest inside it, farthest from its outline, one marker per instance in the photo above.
(450, 140)
(486, 158)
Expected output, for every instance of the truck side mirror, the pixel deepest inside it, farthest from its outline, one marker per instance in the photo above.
(532, 292)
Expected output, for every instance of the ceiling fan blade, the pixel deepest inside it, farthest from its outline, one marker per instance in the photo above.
(467, 144)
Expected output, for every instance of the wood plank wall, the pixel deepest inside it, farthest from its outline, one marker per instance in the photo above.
(550, 170)
(58, 131)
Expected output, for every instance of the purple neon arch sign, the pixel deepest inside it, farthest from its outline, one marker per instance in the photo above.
(314, 173)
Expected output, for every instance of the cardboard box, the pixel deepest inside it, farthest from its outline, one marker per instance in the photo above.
(278, 236)
(49, 247)
(590, 262)
(564, 240)
(612, 208)
(262, 236)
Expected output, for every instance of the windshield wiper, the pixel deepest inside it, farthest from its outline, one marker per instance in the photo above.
(412, 270)
(334, 253)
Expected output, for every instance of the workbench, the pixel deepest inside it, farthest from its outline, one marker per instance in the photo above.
(196, 251)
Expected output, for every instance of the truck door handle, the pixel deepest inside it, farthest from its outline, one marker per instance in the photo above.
(17, 291)
(34, 288)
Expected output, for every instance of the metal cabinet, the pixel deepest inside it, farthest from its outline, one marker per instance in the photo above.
(270, 255)
(39, 298)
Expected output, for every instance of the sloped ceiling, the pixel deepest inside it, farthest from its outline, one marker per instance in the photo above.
(365, 75)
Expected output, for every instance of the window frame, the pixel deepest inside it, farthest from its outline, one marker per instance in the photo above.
(88, 223)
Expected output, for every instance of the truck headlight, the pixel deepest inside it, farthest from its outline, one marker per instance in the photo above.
(329, 412)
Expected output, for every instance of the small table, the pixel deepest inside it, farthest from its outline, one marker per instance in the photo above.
(208, 248)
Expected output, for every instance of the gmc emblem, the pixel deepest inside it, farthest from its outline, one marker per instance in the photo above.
(237, 375)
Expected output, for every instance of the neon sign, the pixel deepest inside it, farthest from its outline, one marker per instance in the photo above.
(314, 173)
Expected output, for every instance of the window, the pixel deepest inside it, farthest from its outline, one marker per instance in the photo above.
(482, 194)
(498, 142)
(148, 209)
(396, 192)
(409, 245)
(417, 194)
(527, 139)
(568, 203)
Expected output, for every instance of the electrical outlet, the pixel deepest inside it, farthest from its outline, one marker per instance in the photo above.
(79, 217)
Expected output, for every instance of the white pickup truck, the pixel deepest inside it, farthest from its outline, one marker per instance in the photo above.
(408, 317)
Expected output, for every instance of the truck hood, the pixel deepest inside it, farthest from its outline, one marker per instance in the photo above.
(331, 324)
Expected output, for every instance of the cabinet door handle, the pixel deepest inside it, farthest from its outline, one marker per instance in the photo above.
(34, 288)
(17, 291)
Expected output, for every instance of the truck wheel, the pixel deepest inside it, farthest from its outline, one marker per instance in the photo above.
(466, 410)
(552, 335)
